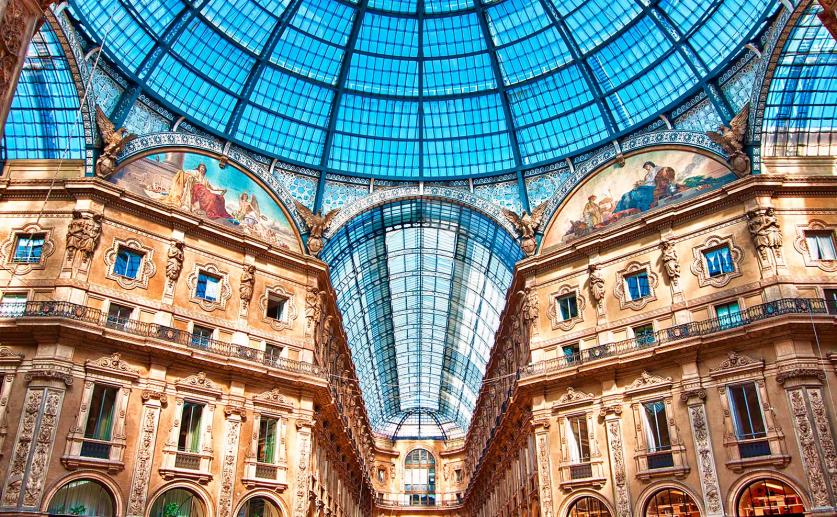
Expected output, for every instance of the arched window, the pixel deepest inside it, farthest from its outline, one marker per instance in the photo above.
(259, 507)
(178, 502)
(82, 497)
(769, 497)
(420, 478)
(671, 502)
(588, 507)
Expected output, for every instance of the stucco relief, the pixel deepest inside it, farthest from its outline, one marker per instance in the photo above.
(546, 484)
(614, 437)
(302, 471)
(22, 447)
(706, 461)
(144, 458)
(146, 270)
(824, 434)
(808, 448)
(7, 251)
(225, 496)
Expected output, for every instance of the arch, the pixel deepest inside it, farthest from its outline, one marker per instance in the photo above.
(152, 178)
(631, 189)
(420, 477)
(197, 491)
(393, 195)
(586, 496)
(738, 488)
(83, 493)
(271, 497)
(647, 496)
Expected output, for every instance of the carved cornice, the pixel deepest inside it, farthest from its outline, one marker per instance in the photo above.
(573, 398)
(273, 398)
(646, 381)
(800, 372)
(49, 374)
(735, 363)
(9, 357)
(112, 365)
(235, 410)
(200, 384)
(155, 395)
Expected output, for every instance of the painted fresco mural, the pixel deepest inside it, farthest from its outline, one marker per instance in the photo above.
(199, 185)
(647, 181)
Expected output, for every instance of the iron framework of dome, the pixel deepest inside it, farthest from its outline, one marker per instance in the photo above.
(421, 89)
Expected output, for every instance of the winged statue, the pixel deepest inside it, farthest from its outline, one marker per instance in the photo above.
(113, 141)
(317, 225)
(526, 224)
(731, 139)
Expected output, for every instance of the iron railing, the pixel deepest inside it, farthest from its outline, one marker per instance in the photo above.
(55, 309)
(648, 340)
(406, 500)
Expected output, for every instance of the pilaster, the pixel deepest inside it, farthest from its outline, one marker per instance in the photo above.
(612, 415)
(541, 426)
(234, 417)
(152, 404)
(303, 469)
(694, 398)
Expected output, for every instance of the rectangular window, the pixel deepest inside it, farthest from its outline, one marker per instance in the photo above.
(272, 353)
(719, 261)
(99, 427)
(189, 439)
(746, 411)
(644, 334)
(209, 287)
(119, 315)
(821, 245)
(29, 248)
(831, 300)
(268, 438)
(567, 307)
(13, 304)
(127, 263)
(276, 306)
(202, 336)
(729, 315)
(656, 426)
(571, 352)
(578, 439)
(636, 286)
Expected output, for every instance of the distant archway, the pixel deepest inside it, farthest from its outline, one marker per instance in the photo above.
(420, 477)
(588, 506)
(82, 497)
(769, 496)
(671, 502)
(178, 502)
(259, 506)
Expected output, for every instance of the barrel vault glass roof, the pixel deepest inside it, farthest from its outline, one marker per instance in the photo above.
(430, 89)
(421, 285)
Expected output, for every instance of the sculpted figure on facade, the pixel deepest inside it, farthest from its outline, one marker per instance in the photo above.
(526, 225)
(113, 142)
(317, 225)
(766, 234)
(83, 234)
(174, 263)
(731, 139)
(670, 263)
(597, 285)
(245, 289)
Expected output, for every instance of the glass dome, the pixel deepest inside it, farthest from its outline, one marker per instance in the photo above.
(421, 89)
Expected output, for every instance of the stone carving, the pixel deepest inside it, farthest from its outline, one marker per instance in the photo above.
(273, 396)
(824, 432)
(572, 396)
(800, 243)
(734, 360)
(303, 445)
(7, 250)
(113, 142)
(526, 226)
(199, 380)
(706, 461)
(22, 448)
(546, 485)
(49, 374)
(42, 449)
(245, 289)
(225, 496)
(614, 433)
(529, 308)
(289, 316)
(699, 267)
(597, 285)
(147, 395)
(554, 312)
(808, 447)
(647, 380)
(797, 372)
(114, 362)
(144, 459)
(174, 264)
(83, 234)
(670, 264)
(731, 139)
(317, 225)
(622, 294)
(224, 291)
(314, 305)
(146, 270)
(766, 234)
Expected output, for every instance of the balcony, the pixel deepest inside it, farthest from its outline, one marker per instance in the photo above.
(649, 341)
(80, 313)
(419, 501)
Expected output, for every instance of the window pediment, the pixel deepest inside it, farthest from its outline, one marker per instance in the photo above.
(736, 364)
(112, 366)
(573, 398)
(273, 399)
(648, 382)
(198, 384)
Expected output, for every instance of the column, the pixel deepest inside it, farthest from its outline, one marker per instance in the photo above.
(712, 501)
(19, 19)
(234, 417)
(5, 390)
(612, 415)
(303, 467)
(541, 427)
(29, 461)
(812, 427)
(152, 404)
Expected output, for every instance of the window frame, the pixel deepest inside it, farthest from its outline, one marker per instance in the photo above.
(224, 289)
(723, 265)
(145, 270)
(16, 247)
(801, 246)
(290, 313)
(622, 290)
(8, 248)
(554, 311)
(269, 404)
(700, 266)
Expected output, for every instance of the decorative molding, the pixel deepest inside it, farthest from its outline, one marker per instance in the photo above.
(544, 475)
(808, 448)
(273, 398)
(700, 269)
(767, 236)
(112, 365)
(622, 295)
(146, 270)
(49, 374)
(646, 381)
(617, 459)
(199, 383)
(554, 311)
(822, 423)
(670, 262)
(800, 372)
(706, 460)
(800, 244)
(735, 363)
(144, 457)
(573, 398)
(228, 466)
(224, 292)
(300, 499)
(290, 308)
(7, 248)
(148, 395)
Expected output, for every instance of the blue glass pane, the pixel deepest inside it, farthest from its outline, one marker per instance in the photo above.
(328, 20)
(716, 39)
(453, 35)
(123, 36)
(458, 75)
(384, 76)
(245, 21)
(303, 54)
(629, 54)
(512, 20)
(533, 56)
(596, 20)
(212, 54)
(388, 35)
